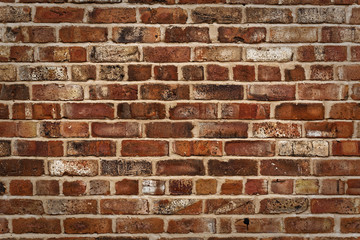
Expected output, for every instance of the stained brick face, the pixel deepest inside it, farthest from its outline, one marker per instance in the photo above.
(179, 119)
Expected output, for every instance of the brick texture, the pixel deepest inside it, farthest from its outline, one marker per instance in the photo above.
(179, 119)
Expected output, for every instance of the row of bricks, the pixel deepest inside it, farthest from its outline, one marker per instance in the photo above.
(180, 206)
(158, 225)
(117, 53)
(170, 2)
(183, 187)
(174, 92)
(194, 72)
(176, 34)
(240, 167)
(27, 129)
(176, 15)
(182, 111)
(148, 148)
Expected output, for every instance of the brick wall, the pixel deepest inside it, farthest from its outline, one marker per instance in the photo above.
(180, 119)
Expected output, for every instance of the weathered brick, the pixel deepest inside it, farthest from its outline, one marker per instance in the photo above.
(198, 148)
(83, 34)
(144, 148)
(139, 72)
(30, 34)
(283, 205)
(34, 225)
(269, 54)
(293, 34)
(217, 73)
(88, 110)
(126, 168)
(336, 168)
(127, 187)
(47, 187)
(153, 187)
(180, 186)
(219, 15)
(83, 72)
(91, 148)
(57, 92)
(328, 91)
(74, 188)
(21, 188)
(39, 148)
(276, 129)
(346, 148)
(124, 206)
(333, 205)
(8, 73)
(136, 34)
(164, 92)
(178, 207)
(194, 111)
(321, 72)
(73, 167)
(301, 111)
(321, 15)
(166, 72)
(332, 187)
(58, 15)
(192, 225)
(282, 186)
(108, 53)
(258, 225)
(137, 225)
(246, 35)
(271, 92)
(318, 148)
(268, 15)
(223, 130)
(349, 225)
(21, 167)
(187, 34)
(309, 225)
(14, 92)
(353, 186)
(41, 73)
(295, 74)
(64, 129)
(256, 187)
(169, 130)
(99, 187)
(4, 228)
(350, 72)
(112, 15)
(206, 186)
(18, 129)
(229, 206)
(345, 111)
(163, 15)
(355, 16)
(62, 54)
(337, 34)
(15, 14)
(141, 111)
(113, 92)
(241, 167)
(307, 186)
(180, 167)
(218, 92)
(166, 54)
(21, 54)
(231, 187)
(329, 129)
(244, 73)
(285, 167)
(115, 130)
(21, 206)
(221, 54)
(87, 225)
(70, 207)
(193, 73)
(245, 111)
(250, 148)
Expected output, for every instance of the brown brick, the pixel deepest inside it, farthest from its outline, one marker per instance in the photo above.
(250, 148)
(329, 129)
(282, 186)
(139, 72)
(58, 15)
(337, 34)
(355, 16)
(321, 72)
(180, 167)
(332, 187)
(218, 92)
(83, 72)
(91, 148)
(349, 225)
(271, 92)
(113, 92)
(74, 188)
(87, 225)
(309, 225)
(231, 187)
(268, 15)
(333, 205)
(99, 187)
(245, 111)
(34, 225)
(219, 15)
(284, 167)
(163, 15)
(345, 111)
(198, 148)
(353, 186)
(193, 73)
(164, 92)
(18, 129)
(112, 15)
(4, 226)
(83, 34)
(194, 111)
(192, 225)
(47, 187)
(15, 14)
(244, 73)
(337, 168)
(141, 111)
(328, 91)
(8, 73)
(178, 207)
(127, 187)
(246, 35)
(62, 54)
(144, 148)
(108, 53)
(166, 54)
(21, 206)
(57, 92)
(166, 72)
(70, 206)
(218, 54)
(137, 225)
(258, 225)
(30, 34)
(64, 129)
(21, 54)
(115, 130)
(21, 188)
(217, 73)
(187, 34)
(124, 206)
(39, 148)
(180, 186)
(256, 187)
(136, 34)
(241, 167)
(229, 206)
(206, 186)
(5, 148)
(295, 74)
(269, 73)
(89, 110)
(169, 130)
(301, 111)
(355, 53)
(21, 167)
(283, 205)
(223, 130)
(350, 72)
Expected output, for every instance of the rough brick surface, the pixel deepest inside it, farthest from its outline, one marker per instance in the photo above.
(179, 119)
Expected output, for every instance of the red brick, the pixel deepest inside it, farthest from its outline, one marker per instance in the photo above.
(193, 111)
(30, 34)
(115, 130)
(301, 111)
(353, 186)
(166, 72)
(169, 130)
(271, 92)
(47, 187)
(256, 187)
(164, 92)
(245, 111)
(21, 206)
(191, 225)
(223, 130)
(258, 225)
(45, 111)
(193, 73)
(39, 148)
(180, 186)
(321, 72)
(309, 225)
(139, 72)
(141, 111)
(335, 53)
(282, 186)
(244, 73)
(36, 225)
(180, 167)
(332, 187)
(64, 129)
(355, 54)
(284, 167)
(57, 92)
(21, 188)
(21, 54)
(113, 92)
(217, 73)
(21, 167)
(62, 54)
(89, 110)
(112, 15)
(58, 15)
(337, 168)
(136, 34)
(231, 187)
(350, 72)
(87, 225)
(74, 188)
(355, 92)
(124, 206)
(18, 129)
(246, 35)
(166, 54)
(295, 74)
(329, 129)
(337, 34)
(201, 1)
(198, 148)
(206, 186)
(333, 205)
(268, 73)
(250, 148)
(91, 148)
(345, 111)
(4, 228)
(144, 148)
(229, 206)
(137, 225)
(350, 225)
(127, 187)
(306, 54)
(99, 187)
(163, 15)
(241, 167)
(82, 34)
(308, 91)
(225, 225)
(187, 34)
(178, 207)
(355, 16)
